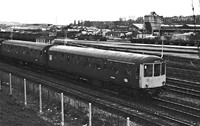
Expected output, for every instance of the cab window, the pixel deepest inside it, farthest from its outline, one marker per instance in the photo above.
(156, 69)
(148, 70)
(163, 69)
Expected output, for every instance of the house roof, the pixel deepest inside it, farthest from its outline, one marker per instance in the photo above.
(139, 26)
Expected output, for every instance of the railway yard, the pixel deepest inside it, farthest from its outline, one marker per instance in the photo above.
(177, 105)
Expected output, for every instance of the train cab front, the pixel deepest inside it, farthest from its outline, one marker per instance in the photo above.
(152, 77)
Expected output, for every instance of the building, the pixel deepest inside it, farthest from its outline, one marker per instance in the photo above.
(153, 22)
(47, 39)
(174, 29)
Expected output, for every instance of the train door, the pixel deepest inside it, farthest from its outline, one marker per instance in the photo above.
(1, 47)
(45, 54)
(152, 75)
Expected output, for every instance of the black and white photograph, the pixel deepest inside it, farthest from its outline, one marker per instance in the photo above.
(100, 63)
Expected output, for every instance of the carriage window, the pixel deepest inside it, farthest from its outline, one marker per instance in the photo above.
(54, 56)
(163, 69)
(68, 59)
(72, 57)
(61, 57)
(100, 62)
(77, 60)
(104, 65)
(137, 73)
(157, 70)
(128, 70)
(97, 66)
(50, 57)
(148, 69)
(113, 66)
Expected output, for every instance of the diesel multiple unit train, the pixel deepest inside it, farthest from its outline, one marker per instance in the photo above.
(129, 72)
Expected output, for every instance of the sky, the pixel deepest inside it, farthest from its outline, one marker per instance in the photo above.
(63, 12)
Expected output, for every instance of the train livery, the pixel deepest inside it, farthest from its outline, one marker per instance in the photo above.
(138, 72)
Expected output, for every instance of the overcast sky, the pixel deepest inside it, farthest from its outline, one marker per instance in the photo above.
(66, 11)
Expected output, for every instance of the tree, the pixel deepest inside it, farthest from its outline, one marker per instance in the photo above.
(88, 23)
(139, 20)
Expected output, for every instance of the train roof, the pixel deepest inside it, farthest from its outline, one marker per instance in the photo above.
(28, 44)
(117, 56)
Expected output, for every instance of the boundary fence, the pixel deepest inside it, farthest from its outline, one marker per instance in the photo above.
(59, 108)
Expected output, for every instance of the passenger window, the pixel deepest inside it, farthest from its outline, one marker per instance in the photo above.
(128, 70)
(72, 57)
(113, 67)
(97, 66)
(85, 61)
(116, 70)
(77, 60)
(104, 65)
(156, 69)
(61, 57)
(163, 69)
(137, 73)
(54, 56)
(148, 68)
(68, 59)
(50, 57)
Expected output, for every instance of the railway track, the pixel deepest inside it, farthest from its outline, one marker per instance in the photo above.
(184, 74)
(133, 46)
(184, 87)
(112, 103)
(138, 48)
(188, 112)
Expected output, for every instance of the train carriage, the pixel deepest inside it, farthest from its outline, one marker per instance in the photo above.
(26, 51)
(128, 70)
(117, 70)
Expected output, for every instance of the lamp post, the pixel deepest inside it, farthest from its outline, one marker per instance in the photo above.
(162, 38)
